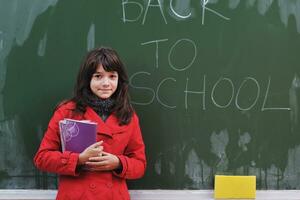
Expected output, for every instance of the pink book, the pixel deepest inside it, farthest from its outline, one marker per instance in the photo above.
(77, 135)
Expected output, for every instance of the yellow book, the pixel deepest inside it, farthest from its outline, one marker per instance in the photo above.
(235, 187)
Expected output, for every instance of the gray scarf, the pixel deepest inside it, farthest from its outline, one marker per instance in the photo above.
(103, 107)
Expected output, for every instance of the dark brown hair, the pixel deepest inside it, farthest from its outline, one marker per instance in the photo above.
(110, 61)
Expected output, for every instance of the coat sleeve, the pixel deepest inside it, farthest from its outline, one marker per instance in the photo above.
(49, 157)
(134, 159)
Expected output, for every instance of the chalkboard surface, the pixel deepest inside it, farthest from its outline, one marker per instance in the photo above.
(215, 83)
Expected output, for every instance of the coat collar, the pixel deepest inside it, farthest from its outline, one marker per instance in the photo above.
(110, 127)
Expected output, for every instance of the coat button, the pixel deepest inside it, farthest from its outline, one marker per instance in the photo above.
(64, 161)
(92, 186)
(109, 185)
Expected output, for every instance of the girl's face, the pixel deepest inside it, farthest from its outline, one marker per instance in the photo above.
(103, 84)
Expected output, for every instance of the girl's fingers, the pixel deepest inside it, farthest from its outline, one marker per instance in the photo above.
(97, 159)
(97, 144)
(96, 164)
(97, 149)
(95, 153)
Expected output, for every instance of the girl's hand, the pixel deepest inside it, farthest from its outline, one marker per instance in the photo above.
(92, 151)
(105, 162)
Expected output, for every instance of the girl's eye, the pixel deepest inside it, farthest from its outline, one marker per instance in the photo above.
(97, 76)
(113, 76)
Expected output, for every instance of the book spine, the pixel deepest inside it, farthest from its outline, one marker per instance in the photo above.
(61, 136)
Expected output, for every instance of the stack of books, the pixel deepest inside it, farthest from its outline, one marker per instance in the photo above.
(77, 135)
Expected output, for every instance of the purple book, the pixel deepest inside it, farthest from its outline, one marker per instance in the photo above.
(77, 135)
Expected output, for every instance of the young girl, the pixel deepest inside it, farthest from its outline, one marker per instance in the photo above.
(99, 172)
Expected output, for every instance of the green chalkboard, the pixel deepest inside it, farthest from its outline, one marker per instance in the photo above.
(215, 83)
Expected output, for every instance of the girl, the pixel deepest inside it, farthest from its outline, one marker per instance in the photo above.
(99, 172)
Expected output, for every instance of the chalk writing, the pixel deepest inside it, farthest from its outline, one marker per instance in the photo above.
(142, 88)
(125, 3)
(158, 89)
(238, 92)
(178, 15)
(287, 8)
(266, 97)
(159, 5)
(187, 92)
(192, 61)
(213, 92)
(204, 8)
(186, 40)
(238, 98)
(156, 50)
(189, 44)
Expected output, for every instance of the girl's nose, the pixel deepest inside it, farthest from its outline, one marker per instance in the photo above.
(105, 81)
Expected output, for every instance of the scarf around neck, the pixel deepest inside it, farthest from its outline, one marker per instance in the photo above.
(103, 107)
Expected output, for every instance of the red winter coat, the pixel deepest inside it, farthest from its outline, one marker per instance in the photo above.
(123, 141)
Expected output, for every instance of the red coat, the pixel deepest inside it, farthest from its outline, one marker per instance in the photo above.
(124, 141)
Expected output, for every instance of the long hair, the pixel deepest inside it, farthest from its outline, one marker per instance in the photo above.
(110, 61)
